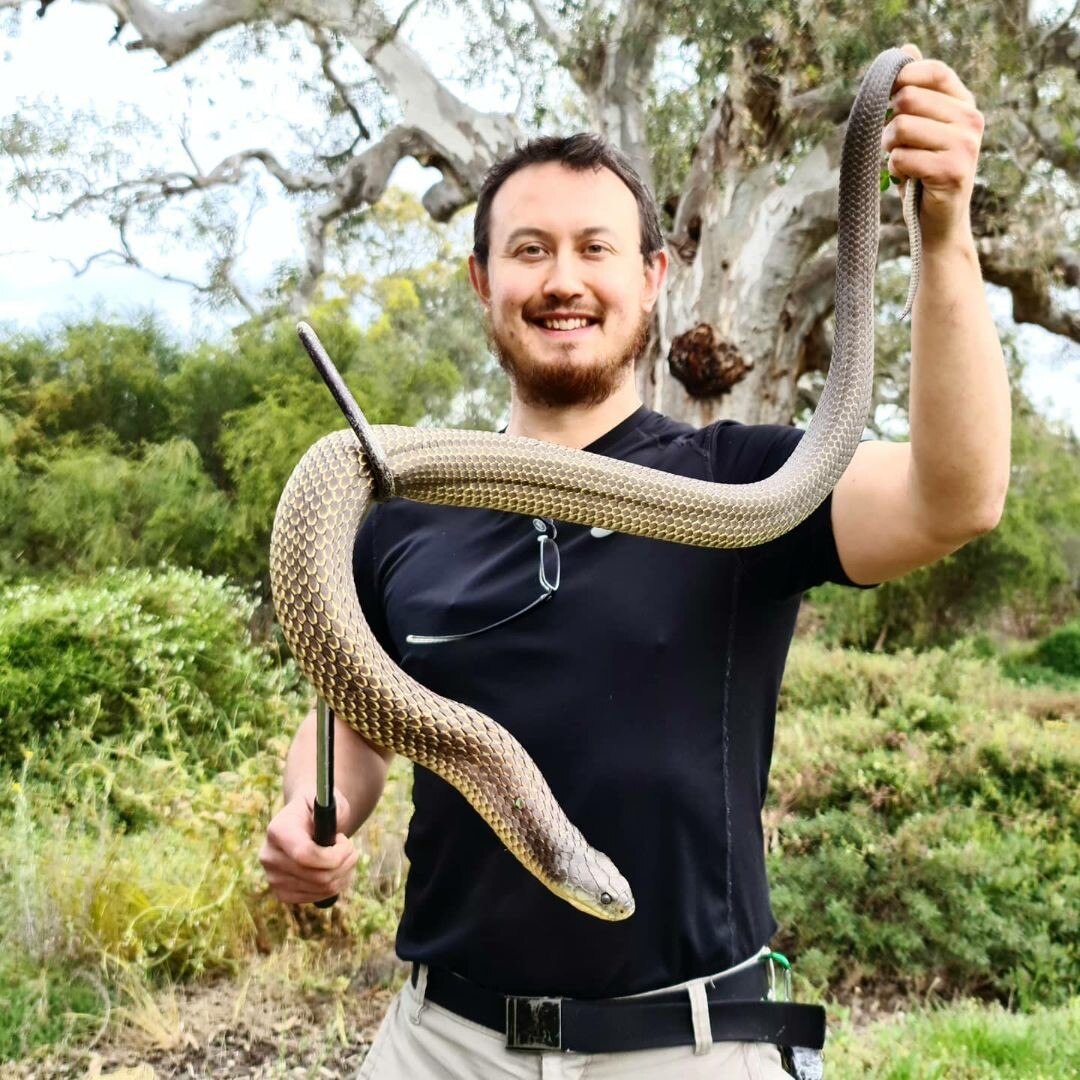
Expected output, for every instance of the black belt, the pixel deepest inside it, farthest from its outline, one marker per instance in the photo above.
(737, 1013)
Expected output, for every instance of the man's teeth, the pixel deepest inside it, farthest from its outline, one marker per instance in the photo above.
(564, 324)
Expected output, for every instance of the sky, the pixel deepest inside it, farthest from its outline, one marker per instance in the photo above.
(66, 57)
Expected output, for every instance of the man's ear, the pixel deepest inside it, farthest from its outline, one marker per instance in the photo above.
(655, 272)
(479, 278)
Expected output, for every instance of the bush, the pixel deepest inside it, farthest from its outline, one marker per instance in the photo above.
(179, 896)
(91, 507)
(1060, 651)
(924, 830)
(1027, 567)
(45, 1005)
(165, 655)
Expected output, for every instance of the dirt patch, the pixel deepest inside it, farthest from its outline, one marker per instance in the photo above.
(280, 1019)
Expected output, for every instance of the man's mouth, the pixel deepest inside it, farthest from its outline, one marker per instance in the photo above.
(564, 326)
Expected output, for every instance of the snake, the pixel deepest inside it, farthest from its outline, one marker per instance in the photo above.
(345, 473)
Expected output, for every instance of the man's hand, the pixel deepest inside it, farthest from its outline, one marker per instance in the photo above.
(299, 870)
(934, 136)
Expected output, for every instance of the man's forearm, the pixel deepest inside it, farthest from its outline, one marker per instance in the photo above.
(359, 770)
(959, 404)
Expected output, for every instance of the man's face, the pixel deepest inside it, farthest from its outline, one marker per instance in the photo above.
(567, 292)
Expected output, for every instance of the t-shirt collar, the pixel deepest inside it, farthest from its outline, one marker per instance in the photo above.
(610, 438)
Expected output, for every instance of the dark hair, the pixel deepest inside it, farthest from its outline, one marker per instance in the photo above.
(582, 151)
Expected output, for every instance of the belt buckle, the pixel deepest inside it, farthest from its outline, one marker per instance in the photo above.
(533, 1023)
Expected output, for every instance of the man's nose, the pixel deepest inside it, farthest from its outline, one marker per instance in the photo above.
(564, 277)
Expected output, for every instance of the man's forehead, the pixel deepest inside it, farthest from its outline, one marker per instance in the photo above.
(552, 197)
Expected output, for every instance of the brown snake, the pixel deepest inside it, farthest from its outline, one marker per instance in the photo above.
(338, 480)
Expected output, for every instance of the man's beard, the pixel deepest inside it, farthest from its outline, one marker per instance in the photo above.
(561, 381)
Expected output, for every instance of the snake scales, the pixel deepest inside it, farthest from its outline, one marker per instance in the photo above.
(337, 481)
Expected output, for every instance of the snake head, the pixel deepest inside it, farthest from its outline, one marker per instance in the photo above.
(594, 885)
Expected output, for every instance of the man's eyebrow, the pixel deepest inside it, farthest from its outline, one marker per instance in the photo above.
(543, 234)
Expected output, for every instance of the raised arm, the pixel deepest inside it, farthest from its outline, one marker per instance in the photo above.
(903, 505)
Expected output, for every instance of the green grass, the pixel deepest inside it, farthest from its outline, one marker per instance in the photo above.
(962, 1041)
(43, 1006)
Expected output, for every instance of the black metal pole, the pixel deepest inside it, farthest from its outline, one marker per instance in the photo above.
(325, 808)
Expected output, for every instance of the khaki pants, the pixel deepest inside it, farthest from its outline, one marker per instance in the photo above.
(419, 1040)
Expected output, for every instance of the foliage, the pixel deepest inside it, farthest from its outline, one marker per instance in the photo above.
(924, 828)
(1054, 661)
(162, 655)
(1060, 651)
(119, 448)
(173, 891)
(921, 828)
(90, 506)
(174, 897)
(965, 1041)
(94, 376)
(46, 1005)
(1029, 564)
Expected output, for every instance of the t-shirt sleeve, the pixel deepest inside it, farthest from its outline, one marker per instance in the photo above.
(800, 559)
(366, 576)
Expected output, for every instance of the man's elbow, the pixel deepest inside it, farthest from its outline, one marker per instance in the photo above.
(950, 528)
(989, 516)
(978, 520)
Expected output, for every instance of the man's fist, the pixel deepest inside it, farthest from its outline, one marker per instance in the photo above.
(299, 870)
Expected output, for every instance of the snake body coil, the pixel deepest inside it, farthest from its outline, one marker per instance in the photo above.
(331, 491)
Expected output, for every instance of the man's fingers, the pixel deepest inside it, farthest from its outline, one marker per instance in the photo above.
(287, 847)
(292, 831)
(298, 870)
(931, 104)
(304, 890)
(294, 883)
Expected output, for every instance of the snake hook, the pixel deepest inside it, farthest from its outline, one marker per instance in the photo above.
(382, 479)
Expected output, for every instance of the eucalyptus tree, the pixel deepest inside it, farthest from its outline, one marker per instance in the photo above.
(732, 109)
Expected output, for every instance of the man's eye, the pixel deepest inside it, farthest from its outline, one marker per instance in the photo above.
(531, 249)
(597, 249)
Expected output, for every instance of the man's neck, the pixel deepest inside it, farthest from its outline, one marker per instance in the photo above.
(575, 426)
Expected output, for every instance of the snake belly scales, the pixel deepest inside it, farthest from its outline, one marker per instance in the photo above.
(335, 484)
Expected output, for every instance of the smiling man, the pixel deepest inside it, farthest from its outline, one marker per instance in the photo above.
(568, 301)
(643, 676)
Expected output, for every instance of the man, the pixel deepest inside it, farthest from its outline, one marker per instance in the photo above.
(645, 683)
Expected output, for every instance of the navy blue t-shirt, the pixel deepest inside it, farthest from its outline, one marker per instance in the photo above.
(645, 690)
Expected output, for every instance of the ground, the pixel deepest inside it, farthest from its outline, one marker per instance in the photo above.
(258, 1027)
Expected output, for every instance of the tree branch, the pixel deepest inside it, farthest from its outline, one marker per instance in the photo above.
(362, 182)
(549, 29)
(1031, 280)
(1059, 46)
(322, 42)
(830, 102)
(228, 171)
(126, 257)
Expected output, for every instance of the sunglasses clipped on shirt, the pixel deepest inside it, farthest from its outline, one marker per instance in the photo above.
(549, 573)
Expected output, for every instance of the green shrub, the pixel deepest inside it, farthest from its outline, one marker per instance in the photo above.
(178, 897)
(924, 830)
(1060, 651)
(90, 507)
(1027, 566)
(165, 655)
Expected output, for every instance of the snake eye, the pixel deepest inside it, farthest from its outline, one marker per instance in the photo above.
(605, 898)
